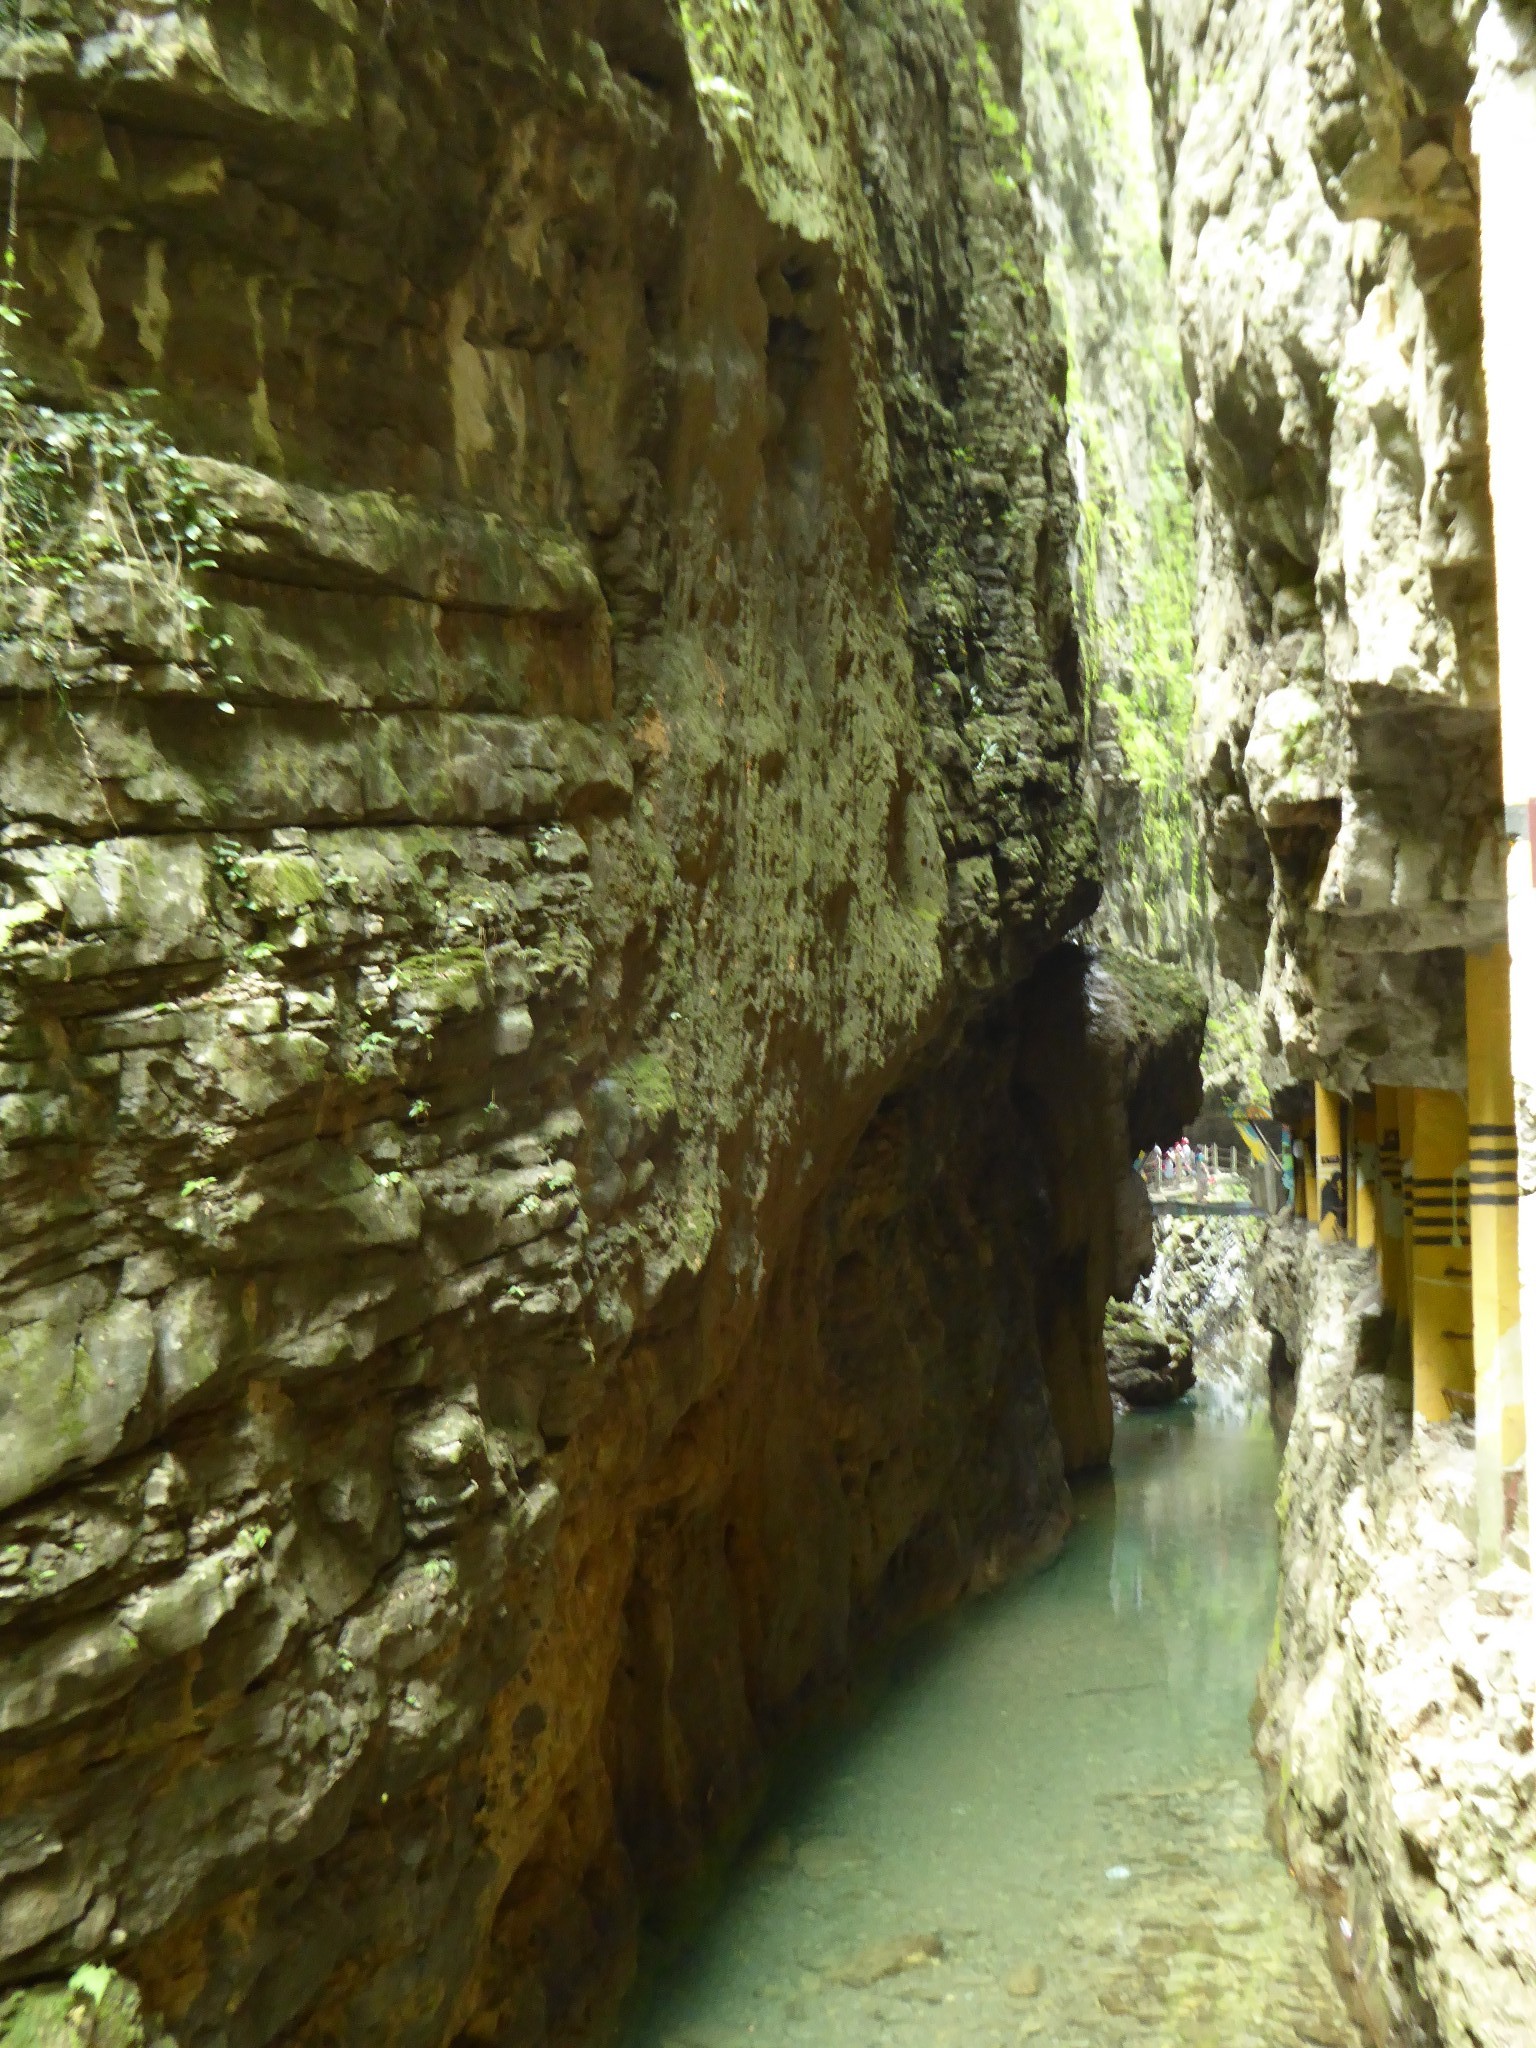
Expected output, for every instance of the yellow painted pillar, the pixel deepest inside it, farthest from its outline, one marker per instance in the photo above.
(1495, 1219)
(1365, 1222)
(1406, 1102)
(1442, 1257)
(1333, 1207)
(1351, 1174)
(1309, 1156)
(1389, 1242)
(1504, 137)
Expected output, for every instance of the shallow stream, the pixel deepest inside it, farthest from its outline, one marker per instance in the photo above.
(1050, 1829)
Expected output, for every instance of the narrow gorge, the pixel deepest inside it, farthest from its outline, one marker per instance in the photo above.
(705, 701)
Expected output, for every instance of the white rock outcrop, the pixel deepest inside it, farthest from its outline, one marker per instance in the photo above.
(1399, 1701)
(1321, 228)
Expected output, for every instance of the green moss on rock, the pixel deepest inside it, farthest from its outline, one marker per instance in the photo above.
(97, 2008)
(1162, 1000)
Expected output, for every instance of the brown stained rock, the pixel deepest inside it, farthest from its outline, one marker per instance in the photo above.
(557, 1175)
(1130, 2001)
(882, 1959)
(915, 1991)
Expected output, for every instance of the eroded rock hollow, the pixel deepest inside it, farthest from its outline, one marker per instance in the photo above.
(559, 1177)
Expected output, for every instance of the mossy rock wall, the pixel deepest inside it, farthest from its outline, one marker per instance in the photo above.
(1087, 136)
(524, 902)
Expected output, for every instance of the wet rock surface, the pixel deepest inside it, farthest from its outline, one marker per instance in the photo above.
(556, 1174)
(1398, 1705)
(1201, 1285)
(1148, 1363)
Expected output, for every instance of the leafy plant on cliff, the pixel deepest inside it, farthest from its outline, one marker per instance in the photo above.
(713, 30)
(91, 496)
(85, 489)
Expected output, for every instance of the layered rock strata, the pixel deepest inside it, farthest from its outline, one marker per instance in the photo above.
(1398, 1707)
(1320, 216)
(557, 1180)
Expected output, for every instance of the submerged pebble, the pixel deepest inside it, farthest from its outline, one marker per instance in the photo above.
(889, 1958)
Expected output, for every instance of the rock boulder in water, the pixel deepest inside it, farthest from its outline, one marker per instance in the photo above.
(1149, 1365)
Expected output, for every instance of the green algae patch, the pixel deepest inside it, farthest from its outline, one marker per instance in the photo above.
(96, 2009)
(1092, 174)
(647, 1080)
(282, 884)
(1161, 1000)
(455, 979)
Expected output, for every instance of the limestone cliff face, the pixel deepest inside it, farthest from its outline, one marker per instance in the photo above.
(1398, 1702)
(549, 1195)
(1321, 222)
(1088, 124)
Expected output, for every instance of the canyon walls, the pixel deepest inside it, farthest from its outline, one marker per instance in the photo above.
(1088, 132)
(1397, 1708)
(558, 1177)
(1086, 123)
(1320, 218)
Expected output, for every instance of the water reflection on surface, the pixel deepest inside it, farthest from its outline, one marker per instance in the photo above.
(1050, 1829)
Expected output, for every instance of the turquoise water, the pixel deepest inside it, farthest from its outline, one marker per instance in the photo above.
(1050, 1829)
